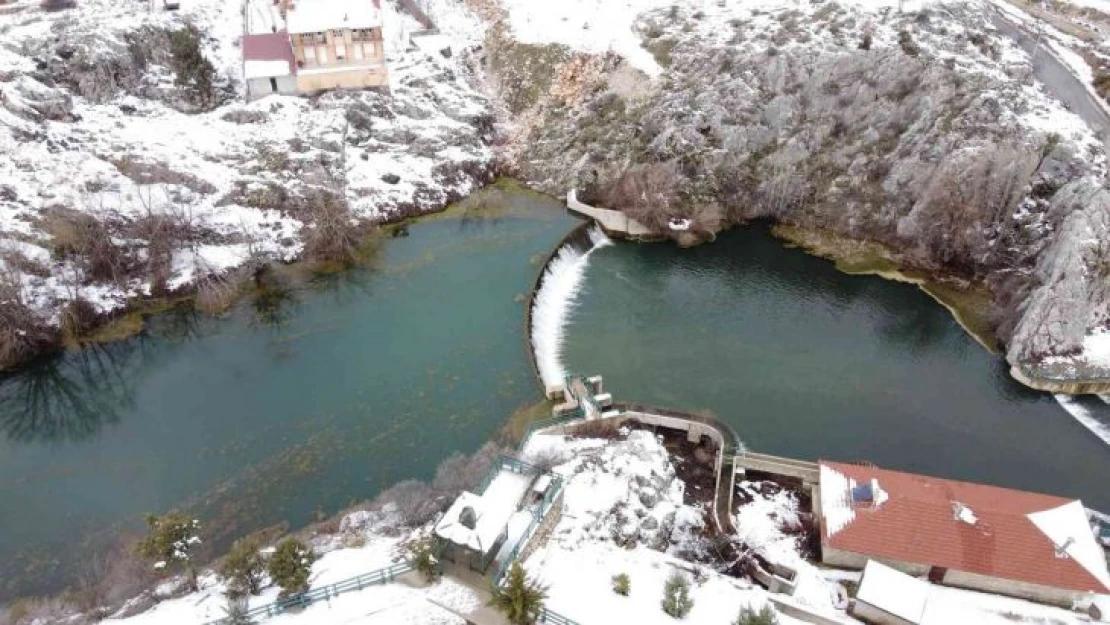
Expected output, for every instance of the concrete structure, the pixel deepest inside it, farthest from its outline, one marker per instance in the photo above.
(480, 530)
(996, 540)
(337, 44)
(268, 65)
(805, 471)
(308, 46)
(612, 221)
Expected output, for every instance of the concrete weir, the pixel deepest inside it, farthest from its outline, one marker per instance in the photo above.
(613, 222)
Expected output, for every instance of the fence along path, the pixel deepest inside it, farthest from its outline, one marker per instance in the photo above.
(358, 582)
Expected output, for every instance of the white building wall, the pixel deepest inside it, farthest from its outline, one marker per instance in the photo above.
(870, 614)
(261, 87)
(959, 579)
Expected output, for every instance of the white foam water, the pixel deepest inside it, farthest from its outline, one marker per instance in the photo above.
(1082, 414)
(554, 301)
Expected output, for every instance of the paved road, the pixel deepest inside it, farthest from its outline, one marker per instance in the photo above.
(1057, 77)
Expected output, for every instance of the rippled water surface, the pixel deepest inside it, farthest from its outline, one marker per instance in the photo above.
(808, 362)
(281, 411)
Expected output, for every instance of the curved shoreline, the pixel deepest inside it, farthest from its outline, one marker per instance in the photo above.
(968, 304)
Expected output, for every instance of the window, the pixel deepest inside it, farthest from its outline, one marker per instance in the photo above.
(310, 55)
(319, 37)
(368, 49)
(322, 54)
(358, 52)
(340, 51)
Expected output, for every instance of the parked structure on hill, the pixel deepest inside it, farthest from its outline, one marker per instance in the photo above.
(986, 538)
(307, 46)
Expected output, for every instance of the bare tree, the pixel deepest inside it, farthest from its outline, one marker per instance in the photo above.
(22, 333)
(646, 193)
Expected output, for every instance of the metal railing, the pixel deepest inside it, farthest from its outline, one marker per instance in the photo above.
(373, 578)
(537, 516)
(504, 462)
(543, 424)
(547, 616)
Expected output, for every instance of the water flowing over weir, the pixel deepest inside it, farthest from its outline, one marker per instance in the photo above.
(555, 298)
(1092, 413)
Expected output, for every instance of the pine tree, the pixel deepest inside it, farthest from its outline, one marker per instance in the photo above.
(424, 559)
(520, 599)
(622, 585)
(290, 566)
(244, 568)
(765, 616)
(192, 70)
(676, 595)
(170, 543)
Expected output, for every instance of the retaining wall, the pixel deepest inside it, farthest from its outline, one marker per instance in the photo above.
(612, 221)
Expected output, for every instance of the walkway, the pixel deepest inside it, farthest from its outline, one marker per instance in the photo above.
(1057, 76)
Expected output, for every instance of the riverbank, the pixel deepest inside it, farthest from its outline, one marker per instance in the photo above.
(969, 303)
(491, 201)
(269, 412)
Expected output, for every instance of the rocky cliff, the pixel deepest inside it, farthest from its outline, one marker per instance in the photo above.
(923, 130)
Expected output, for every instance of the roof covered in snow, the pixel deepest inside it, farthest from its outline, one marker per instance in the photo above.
(315, 16)
(998, 532)
(268, 55)
(893, 592)
(492, 510)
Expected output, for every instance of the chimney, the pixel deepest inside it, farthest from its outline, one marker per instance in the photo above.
(1062, 550)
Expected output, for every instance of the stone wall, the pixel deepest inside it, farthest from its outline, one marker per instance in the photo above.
(543, 530)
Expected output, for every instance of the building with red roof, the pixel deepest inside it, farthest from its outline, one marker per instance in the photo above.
(268, 64)
(997, 540)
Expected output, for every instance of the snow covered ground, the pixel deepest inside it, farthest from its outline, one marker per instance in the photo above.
(233, 175)
(398, 602)
(624, 513)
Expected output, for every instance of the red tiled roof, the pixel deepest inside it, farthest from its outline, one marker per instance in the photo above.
(916, 524)
(269, 47)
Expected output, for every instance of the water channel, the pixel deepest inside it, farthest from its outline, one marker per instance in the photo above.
(289, 411)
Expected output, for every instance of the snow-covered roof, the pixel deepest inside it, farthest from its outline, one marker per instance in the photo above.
(893, 592)
(492, 510)
(1067, 527)
(314, 16)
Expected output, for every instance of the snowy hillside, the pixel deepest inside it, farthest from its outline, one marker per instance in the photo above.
(93, 126)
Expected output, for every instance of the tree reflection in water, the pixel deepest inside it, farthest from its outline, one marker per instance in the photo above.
(70, 398)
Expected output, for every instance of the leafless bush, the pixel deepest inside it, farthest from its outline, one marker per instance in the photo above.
(57, 5)
(78, 317)
(547, 459)
(22, 333)
(217, 292)
(88, 243)
(159, 232)
(119, 574)
(416, 501)
(646, 193)
(331, 236)
(459, 472)
(38, 610)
